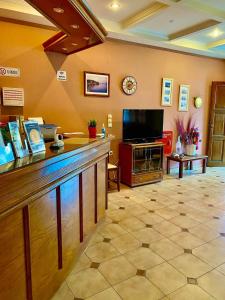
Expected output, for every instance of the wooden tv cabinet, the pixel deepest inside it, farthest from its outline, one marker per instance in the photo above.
(141, 163)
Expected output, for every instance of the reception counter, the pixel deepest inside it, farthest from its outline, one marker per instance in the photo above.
(50, 205)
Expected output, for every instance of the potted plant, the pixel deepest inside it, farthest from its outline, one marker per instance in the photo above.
(189, 136)
(92, 128)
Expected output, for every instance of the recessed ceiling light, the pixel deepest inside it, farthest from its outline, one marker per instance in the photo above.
(86, 38)
(58, 10)
(215, 33)
(64, 49)
(75, 26)
(114, 5)
(74, 44)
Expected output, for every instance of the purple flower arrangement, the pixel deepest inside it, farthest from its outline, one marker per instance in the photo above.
(189, 135)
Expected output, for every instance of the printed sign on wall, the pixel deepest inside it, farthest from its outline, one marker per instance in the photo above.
(11, 72)
(13, 96)
(61, 75)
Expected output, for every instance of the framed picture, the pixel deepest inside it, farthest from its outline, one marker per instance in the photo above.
(34, 136)
(184, 97)
(96, 84)
(167, 92)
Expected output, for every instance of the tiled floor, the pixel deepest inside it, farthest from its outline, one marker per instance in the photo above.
(159, 241)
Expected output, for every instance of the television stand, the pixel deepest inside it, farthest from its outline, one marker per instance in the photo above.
(141, 163)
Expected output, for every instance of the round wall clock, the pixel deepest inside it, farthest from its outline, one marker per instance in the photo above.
(198, 102)
(129, 85)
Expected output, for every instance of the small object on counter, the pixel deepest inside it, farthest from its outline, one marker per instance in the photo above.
(181, 156)
(20, 148)
(103, 130)
(178, 146)
(58, 142)
(34, 136)
(92, 128)
(175, 155)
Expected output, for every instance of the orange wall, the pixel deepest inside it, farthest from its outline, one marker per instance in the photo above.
(63, 103)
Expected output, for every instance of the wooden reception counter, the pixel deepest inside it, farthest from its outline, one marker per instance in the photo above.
(49, 206)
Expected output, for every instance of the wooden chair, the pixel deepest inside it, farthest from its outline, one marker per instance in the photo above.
(114, 174)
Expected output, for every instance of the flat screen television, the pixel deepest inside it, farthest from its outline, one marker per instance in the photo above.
(142, 125)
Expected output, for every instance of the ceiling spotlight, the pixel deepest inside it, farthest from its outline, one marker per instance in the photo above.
(86, 38)
(114, 5)
(75, 26)
(58, 10)
(74, 44)
(215, 33)
(64, 49)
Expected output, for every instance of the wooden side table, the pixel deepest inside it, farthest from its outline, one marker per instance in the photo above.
(187, 159)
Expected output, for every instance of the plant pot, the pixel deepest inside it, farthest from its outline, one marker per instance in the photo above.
(190, 150)
(92, 132)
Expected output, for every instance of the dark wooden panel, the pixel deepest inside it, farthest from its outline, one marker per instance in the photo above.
(217, 150)
(44, 246)
(101, 189)
(219, 124)
(12, 263)
(88, 188)
(70, 221)
(220, 96)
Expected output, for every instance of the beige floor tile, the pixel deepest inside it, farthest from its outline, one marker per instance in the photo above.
(218, 225)
(204, 233)
(211, 254)
(117, 269)
(147, 235)
(213, 283)
(125, 243)
(108, 294)
(150, 218)
(166, 278)
(221, 268)
(83, 263)
(97, 238)
(131, 224)
(143, 258)
(87, 283)
(111, 231)
(138, 288)
(189, 292)
(167, 228)
(64, 293)
(118, 214)
(184, 221)
(136, 210)
(101, 252)
(153, 205)
(190, 265)
(167, 213)
(186, 240)
(166, 249)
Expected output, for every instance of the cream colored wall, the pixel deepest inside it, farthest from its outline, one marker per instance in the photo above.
(64, 103)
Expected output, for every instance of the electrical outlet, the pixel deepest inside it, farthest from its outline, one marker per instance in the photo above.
(109, 121)
(110, 152)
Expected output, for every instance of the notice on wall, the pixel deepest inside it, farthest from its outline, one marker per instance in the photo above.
(61, 75)
(10, 72)
(12, 96)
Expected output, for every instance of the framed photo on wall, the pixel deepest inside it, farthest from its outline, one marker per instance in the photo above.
(96, 84)
(184, 97)
(167, 92)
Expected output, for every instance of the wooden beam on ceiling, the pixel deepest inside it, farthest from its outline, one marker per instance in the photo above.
(144, 14)
(193, 29)
(216, 44)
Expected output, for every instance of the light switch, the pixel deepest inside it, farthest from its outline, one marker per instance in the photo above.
(109, 121)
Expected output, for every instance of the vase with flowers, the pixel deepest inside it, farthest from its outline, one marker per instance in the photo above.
(189, 136)
(92, 128)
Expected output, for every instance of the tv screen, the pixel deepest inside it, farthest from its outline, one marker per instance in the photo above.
(142, 124)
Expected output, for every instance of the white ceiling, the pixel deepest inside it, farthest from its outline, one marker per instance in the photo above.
(184, 25)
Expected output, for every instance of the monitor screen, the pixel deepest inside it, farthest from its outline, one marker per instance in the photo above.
(142, 124)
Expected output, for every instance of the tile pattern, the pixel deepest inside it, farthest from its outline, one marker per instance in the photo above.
(158, 241)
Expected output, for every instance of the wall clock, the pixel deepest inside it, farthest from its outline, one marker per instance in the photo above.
(129, 85)
(198, 102)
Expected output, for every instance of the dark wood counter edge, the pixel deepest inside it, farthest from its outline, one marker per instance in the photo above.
(22, 201)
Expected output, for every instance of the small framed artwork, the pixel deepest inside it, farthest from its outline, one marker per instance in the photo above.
(96, 84)
(184, 97)
(167, 92)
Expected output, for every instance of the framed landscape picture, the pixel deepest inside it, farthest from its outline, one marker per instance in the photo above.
(96, 84)
(184, 97)
(167, 92)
